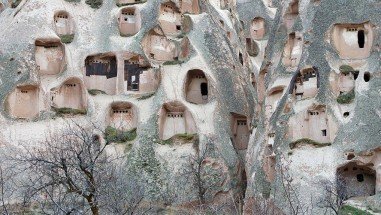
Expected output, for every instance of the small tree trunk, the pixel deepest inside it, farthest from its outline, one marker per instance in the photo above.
(94, 207)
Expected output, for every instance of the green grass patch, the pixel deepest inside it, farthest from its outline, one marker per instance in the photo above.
(146, 96)
(94, 3)
(136, 2)
(349, 210)
(346, 98)
(95, 92)
(68, 111)
(67, 38)
(174, 62)
(307, 141)
(113, 135)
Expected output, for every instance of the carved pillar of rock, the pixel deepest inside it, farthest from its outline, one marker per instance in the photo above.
(120, 88)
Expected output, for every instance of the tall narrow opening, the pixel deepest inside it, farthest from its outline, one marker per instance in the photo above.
(361, 38)
(240, 58)
(204, 90)
(366, 76)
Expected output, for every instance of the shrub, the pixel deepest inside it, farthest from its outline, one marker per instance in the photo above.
(68, 111)
(349, 210)
(307, 141)
(174, 62)
(113, 135)
(67, 38)
(136, 2)
(181, 138)
(95, 92)
(346, 69)
(15, 3)
(346, 98)
(146, 96)
(94, 3)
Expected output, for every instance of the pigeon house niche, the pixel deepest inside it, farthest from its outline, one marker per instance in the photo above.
(252, 47)
(2, 7)
(272, 99)
(196, 87)
(311, 124)
(353, 41)
(347, 81)
(305, 84)
(139, 77)
(257, 28)
(354, 180)
(293, 50)
(123, 116)
(101, 73)
(23, 102)
(175, 118)
(49, 56)
(291, 13)
(71, 94)
(129, 21)
(240, 129)
(64, 24)
(158, 47)
(189, 6)
(170, 18)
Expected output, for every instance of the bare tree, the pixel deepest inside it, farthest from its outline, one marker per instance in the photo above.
(333, 196)
(289, 192)
(206, 180)
(71, 173)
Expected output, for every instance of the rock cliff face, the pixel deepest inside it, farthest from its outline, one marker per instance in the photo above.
(277, 99)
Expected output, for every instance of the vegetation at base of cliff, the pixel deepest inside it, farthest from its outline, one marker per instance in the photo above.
(94, 3)
(95, 92)
(307, 141)
(346, 98)
(68, 111)
(113, 135)
(76, 1)
(185, 138)
(15, 3)
(146, 96)
(125, 4)
(349, 210)
(346, 69)
(67, 38)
